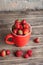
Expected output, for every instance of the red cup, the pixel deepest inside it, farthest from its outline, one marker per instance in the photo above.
(18, 39)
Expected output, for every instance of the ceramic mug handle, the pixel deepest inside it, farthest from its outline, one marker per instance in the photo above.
(7, 39)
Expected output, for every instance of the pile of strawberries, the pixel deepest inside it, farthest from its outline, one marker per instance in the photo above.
(20, 53)
(20, 27)
(4, 52)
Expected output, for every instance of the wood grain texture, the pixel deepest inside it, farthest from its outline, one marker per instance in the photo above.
(35, 18)
(18, 5)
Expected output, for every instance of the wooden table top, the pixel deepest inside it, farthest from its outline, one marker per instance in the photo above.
(35, 18)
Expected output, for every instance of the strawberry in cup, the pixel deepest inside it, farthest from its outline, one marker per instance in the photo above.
(20, 33)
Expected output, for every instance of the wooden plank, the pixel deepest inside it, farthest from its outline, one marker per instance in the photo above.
(30, 62)
(27, 12)
(15, 5)
(19, 16)
(38, 21)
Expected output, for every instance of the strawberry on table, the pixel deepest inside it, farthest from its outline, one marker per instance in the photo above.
(26, 55)
(7, 52)
(36, 40)
(3, 53)
(18, 53)
(29, 52)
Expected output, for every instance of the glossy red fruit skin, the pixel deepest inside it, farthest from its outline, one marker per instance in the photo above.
(18, 53)
(36, 40)
(3, 53)
(7, 52)
(15, 31)
(26, 26)
(25, 31)
(23, 21)
(29, 52)
(21, 27)
(26, 55)
(17, 25)
(17, 21)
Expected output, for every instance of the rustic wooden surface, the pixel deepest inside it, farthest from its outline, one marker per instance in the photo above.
(35, 18)
(18, 5)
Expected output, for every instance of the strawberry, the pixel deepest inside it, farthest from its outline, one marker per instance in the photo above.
(29, 52)
(3, 53)
(21, 27)
(18, 53)
(23, 21)
(17, 25)
(36, 40)
(20, 32)
(17, 21)
(26, 26)
(25, 31)
(7, 52)
(26, 55)
(15, 31)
